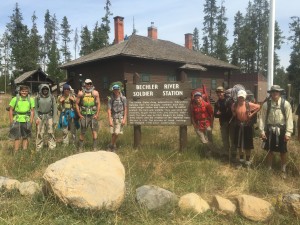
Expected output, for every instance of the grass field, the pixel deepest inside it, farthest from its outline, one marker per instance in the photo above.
(157, 162)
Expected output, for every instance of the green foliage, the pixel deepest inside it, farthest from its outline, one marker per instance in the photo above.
(196, 44)
(65, 36)
(85, 42)
(294, 67)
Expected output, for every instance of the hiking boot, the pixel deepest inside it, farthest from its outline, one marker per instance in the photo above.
(248, 164)
(283, 175)
(240, 164)
(111, 148)
(80, 146)
(95, 145)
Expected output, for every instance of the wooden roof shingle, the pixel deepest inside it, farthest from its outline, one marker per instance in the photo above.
(147, 48)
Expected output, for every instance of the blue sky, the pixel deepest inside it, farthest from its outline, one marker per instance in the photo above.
(173, 18)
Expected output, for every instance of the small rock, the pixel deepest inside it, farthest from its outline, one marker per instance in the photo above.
(29, 188)
(193, 202)
(11, 184)
(254, 208)
(290, 198)
(224, 205)
(153, 197)
(2, 179)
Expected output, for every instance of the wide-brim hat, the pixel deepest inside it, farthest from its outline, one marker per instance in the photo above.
(220, 89)
(275, 88)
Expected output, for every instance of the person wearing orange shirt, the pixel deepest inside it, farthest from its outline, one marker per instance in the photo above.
(244, 111)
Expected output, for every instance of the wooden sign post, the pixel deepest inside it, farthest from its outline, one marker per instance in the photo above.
(159, 104)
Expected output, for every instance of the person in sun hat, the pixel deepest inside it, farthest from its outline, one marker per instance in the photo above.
(67, 120)
(88, 109)
(276, 126)
(117, 115)
(202, 112)
(222, 110)
(243, 111)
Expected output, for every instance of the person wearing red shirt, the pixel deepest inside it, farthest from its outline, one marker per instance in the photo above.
(202, 114)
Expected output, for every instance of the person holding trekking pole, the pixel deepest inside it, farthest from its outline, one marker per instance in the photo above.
(244, 111)
(276, 126)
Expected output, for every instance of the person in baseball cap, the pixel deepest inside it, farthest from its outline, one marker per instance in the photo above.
(244, 111)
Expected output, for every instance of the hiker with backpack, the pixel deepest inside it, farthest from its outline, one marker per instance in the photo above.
(21, 114)
(88, 109)
(276, 126)
(244, 111)
(202, 113)
(45, 117)
(222, 110)
(117, 115)
(67, 119)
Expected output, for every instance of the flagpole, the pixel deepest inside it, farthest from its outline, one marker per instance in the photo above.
(271, 44)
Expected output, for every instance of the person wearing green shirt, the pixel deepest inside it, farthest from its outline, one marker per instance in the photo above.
(21, 114)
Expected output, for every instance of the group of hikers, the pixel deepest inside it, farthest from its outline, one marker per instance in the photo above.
(237, 115)
(69, 113)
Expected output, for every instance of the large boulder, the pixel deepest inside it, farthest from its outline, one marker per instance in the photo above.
(90, 180)
(153, 197)
(254, 208)
(193, 202)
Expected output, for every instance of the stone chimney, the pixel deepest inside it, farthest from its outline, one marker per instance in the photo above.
(152, 31)
(119, 29)
(189, 41)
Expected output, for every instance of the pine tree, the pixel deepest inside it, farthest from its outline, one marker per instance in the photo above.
(221, 48)
(65, 37)
(85, 41)
(18, 37)
(48, 35)
(53, 66)
(196, 44)
(209, 26)
(98, 38)
(105, 28)
(236, 55)
(294, 67)
(35, 44)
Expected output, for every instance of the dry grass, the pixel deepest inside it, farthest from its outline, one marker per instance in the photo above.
(157, 162)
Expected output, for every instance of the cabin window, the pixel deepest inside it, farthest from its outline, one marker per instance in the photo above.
(172, 78)
(213, 84)
(145, 78)
(196, 82)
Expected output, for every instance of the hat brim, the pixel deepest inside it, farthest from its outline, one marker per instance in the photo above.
(277, 90)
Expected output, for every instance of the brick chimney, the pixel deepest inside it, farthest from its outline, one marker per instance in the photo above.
(152, 31)
(119, 29)
(189, 41)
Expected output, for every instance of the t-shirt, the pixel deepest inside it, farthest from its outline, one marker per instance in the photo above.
(117, 106)
(23, 106)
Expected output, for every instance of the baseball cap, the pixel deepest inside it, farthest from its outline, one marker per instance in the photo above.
(66, 87)
(116, 87)
(198, 94)
(242, 93)
(88, 81)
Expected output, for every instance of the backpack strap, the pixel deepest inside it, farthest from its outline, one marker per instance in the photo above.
(17, 101)
(283, 108)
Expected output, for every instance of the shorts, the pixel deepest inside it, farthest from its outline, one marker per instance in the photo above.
(282, 145)
(88, 121)
(248, 137)
(20, 130)
(117, 128)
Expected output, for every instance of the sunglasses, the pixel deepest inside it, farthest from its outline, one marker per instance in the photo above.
(89, 83)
